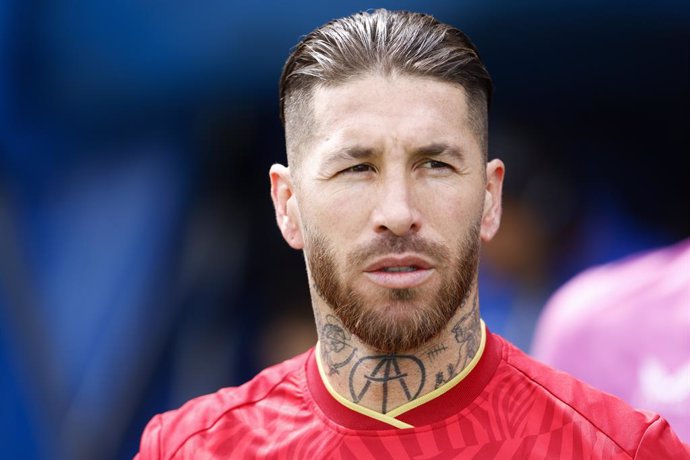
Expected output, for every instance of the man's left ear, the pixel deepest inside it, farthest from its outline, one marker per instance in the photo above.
(491, 217)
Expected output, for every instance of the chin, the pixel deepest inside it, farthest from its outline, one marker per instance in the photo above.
(400, 326)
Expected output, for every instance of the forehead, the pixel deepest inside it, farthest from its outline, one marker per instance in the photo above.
(383, 110)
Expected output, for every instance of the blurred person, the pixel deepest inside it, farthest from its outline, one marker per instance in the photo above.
(624, 327)
(389, 192)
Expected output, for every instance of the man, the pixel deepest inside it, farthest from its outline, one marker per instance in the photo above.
(586, 330)
(388, 193)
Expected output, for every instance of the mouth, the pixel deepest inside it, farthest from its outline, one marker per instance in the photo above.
(399, 269)
(399, 272)
(399, 264)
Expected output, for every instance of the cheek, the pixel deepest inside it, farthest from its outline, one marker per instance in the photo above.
(451, 207)
(341, 216)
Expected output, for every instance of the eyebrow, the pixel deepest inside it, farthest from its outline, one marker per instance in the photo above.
(348, 154)
(437, 149)
(359, 153)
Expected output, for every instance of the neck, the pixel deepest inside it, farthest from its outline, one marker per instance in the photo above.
(384, 382)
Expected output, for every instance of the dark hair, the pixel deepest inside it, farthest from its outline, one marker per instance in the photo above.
(386, 42)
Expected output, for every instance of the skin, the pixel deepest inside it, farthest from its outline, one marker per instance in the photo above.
(398, 182)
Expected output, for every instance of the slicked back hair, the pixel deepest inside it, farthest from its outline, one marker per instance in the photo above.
(381, 42)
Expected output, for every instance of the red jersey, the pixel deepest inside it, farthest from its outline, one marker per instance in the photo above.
(508, 407)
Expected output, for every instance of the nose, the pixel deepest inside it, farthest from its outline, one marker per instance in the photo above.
(395, 210)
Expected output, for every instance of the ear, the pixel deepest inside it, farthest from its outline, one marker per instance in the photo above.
(491, 217)
(285, 204)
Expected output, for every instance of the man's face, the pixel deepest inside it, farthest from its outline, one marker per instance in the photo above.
(391, 203)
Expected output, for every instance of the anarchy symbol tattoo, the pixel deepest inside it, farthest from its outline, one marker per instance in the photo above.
(387, 371)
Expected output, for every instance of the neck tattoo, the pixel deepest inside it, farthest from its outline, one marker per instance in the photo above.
(383, 382)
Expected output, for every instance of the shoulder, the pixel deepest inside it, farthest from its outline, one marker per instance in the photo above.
(605, 282)
(166, 433)
(617, 291)
(634, 431)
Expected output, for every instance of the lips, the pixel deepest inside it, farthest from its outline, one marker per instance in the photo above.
(388, 263)
(399, 272)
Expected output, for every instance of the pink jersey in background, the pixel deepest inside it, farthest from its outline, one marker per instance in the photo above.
(624, 327)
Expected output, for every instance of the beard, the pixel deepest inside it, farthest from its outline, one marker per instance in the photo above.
(397, 319)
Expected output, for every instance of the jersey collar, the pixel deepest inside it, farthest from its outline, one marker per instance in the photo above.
(434, 406)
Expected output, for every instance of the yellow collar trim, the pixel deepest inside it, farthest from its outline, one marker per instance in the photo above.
(390, 417)
(354, 406)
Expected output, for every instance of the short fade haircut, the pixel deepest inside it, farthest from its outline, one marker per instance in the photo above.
(381, 42)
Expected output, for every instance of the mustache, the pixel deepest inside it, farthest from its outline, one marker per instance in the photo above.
(387, 244)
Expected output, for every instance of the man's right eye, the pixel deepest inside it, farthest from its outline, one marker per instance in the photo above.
(360, 168)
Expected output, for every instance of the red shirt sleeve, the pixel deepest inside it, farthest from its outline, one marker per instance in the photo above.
(659, 442)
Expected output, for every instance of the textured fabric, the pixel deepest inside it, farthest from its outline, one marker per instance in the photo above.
(624, 327)
(517, 409)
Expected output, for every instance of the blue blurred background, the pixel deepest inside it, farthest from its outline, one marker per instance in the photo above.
(140, 264)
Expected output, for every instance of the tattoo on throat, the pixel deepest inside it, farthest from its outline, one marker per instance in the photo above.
(337, 350)
(385, 374)
(433, 352)
(465, 330)
(467, 335)
(382, 375)
(441, 378)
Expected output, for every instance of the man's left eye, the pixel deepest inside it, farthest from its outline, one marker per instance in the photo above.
(433, 164)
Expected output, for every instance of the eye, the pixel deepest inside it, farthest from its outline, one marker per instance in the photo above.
(360, 168)
(433, 164)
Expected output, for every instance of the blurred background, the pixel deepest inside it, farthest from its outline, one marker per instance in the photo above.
(140, 264)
